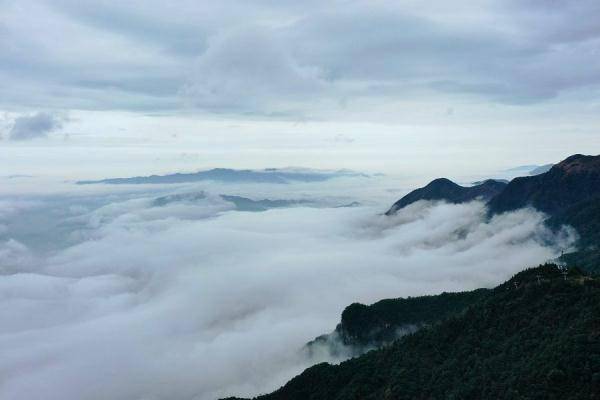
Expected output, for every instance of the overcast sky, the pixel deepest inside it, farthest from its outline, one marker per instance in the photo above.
(472, 74)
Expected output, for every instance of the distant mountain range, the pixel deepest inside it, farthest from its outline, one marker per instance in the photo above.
(246, 204)
(535, 336)
(226, 175)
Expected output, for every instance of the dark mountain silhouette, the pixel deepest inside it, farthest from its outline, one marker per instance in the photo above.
(574, 180)
(537, 336)
(446, 190)
(569, 192)
(567, 183)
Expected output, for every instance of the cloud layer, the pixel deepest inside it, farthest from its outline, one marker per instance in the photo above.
(277, 57)
(196, 301)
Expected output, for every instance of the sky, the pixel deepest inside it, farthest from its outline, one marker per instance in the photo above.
(384, 86)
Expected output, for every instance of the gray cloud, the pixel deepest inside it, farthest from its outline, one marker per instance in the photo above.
(34, 126)
(246, 70)
(277, 58)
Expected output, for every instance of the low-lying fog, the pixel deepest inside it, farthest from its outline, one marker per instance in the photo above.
(107, 294)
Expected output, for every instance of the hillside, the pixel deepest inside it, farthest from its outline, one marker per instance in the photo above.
(363, 327)
(570, 194)
(585, 218)
(566, 184)
(445, 189)
(537, 336)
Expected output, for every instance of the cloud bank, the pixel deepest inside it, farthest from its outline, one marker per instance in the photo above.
(196, 301)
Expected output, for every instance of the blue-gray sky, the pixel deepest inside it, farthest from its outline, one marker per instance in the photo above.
(528, 66)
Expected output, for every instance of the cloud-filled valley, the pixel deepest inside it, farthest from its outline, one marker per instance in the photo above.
(198, 300)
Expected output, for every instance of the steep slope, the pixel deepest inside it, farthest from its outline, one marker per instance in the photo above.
(536, 336)
(445, 189)
(364, 328)
(585, 218)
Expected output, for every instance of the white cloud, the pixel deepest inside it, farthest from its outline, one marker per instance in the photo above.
(169, 306)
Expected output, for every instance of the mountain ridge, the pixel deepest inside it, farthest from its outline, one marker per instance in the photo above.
(568, 192)
(446, 190)
(574, 179)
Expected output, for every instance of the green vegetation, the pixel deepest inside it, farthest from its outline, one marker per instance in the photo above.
(363, 327)
(536, 336)
(585, 218)
(589, 260)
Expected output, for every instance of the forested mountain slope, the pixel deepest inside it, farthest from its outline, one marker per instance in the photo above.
(364, 328)
(537, 336)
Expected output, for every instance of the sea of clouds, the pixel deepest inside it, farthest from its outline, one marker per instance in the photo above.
(107, 296)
